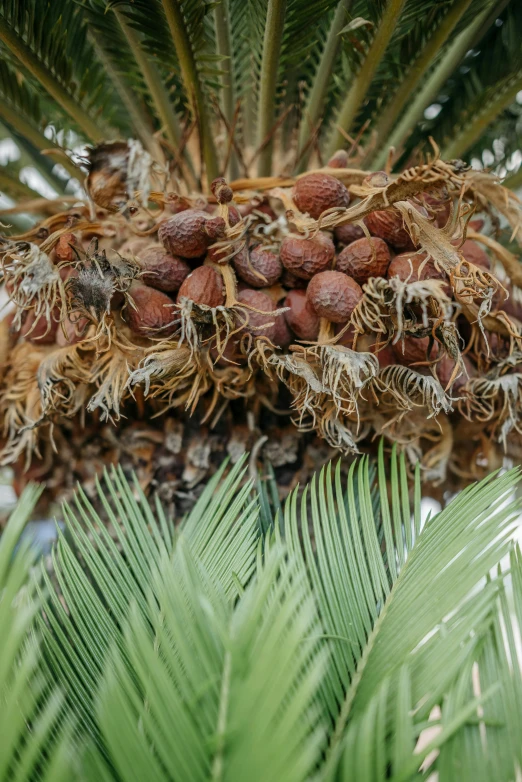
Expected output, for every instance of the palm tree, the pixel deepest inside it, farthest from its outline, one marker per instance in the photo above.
(346, 638)
(171, 285)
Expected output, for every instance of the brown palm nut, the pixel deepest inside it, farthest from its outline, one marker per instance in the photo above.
(347, 233)
(260, 324)
(74, 332)
(223, 193)
(334, 295)
(301, 316)
(364, 258)
(339, 159)
(408, 266)
(259, 267)
(314, 193)
(290, 281)
(388, 224)
(438, 208)
(282, 336)
(445, 368)
(189, 233)
(41, 330)
(412, 350)
(161, 270)
(151, 313)
(474, 253)
(306, 257)
(233, 216)
(63, 250)
(203, 286)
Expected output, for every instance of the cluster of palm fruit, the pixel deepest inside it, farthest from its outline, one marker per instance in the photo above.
(359, 303)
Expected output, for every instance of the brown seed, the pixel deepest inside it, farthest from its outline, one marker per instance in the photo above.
(387, 224)
(260, 324)
(406, 267)
(364, 258)
(385, 356)
(339, 159)
(437, 207)
(283, 336)
(306, 257)
(412, 350)
(233, 216)
(445, 369)
(224, 194)
(314, 193)
(511, 305)
(290, 281)
(161, 270)
(264, 262)
(189, 233)
(301, 317)
(153, 313)
(203, 286)
(74, 332)
(474, 253)
(63, 250)
(41, 331)
(345, 234)
(334, 295)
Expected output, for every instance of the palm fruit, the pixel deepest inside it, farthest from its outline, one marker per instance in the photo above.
(161, 270)
(306, 257)
(410, 267)
(474, 253)
(388, 224)
(347, 233)
(189, 233)
(333, 295)
(150, 312)
(364, 258)
(413, 350)
(203, 286)
(258, 267)
(259, 308)
(315, 193)
(301, 316)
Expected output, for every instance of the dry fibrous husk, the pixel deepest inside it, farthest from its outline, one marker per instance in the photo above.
(348, 386)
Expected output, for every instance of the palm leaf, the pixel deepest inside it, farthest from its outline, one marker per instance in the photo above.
(367, 595)
(73, 82)
(99, 578)
(29, 712)
(330, 645)
(227, 678)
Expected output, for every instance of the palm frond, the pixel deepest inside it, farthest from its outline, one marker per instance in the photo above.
(29, 712)
(100, 577)
(367, 588)
(224, 676)
(62, 63)
(337, 643)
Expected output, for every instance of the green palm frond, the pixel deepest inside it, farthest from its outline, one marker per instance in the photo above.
(63, 63)
(30, 712)
(99, 577)
(265, 84)
(328, 649)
